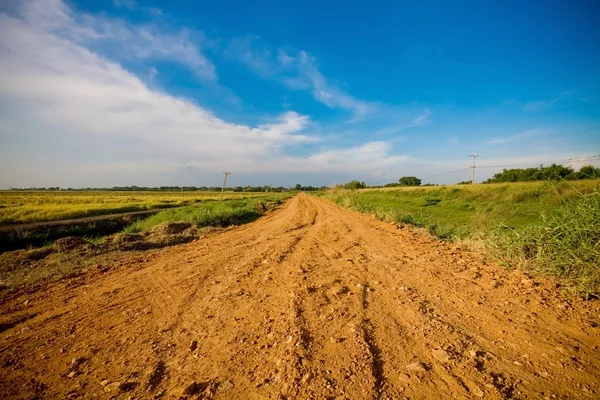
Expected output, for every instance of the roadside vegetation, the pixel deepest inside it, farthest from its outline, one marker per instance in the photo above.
(212, 213)
(550, 227)
(35, 206)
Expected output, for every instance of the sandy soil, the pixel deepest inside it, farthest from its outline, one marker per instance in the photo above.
(312, 301)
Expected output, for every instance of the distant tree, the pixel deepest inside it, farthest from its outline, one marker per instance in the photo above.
(298, 187)
(410, 181)
(589, 172)
(464, 183)
(355, 184)
(552, 172)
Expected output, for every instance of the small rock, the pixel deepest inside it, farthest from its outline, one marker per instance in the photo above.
(472, 353)
(26, 303)
(112, 387)
(333, 340)
(128, 386)
(191, 389)
(72, 374)
(415, 367)
(517, 363)
(477, 392)
(104, 382)
(441, 355)
(305, 378)
(404, 377)
(76, 361)
(193, 345)
(225, 385)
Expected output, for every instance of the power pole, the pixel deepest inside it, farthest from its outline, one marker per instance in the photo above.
(224, 182)
(473, 157)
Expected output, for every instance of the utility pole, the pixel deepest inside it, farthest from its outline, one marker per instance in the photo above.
(224, 182)
(473, 157)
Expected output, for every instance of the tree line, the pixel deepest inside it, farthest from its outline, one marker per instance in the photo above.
(552, 172)
(265, 188)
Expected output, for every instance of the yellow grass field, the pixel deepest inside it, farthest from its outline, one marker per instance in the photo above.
(34, 206)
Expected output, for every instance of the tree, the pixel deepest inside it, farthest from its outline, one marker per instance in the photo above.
(298, 186)
(552, 172)
(410, 181)
(589, 172)
(355, 185)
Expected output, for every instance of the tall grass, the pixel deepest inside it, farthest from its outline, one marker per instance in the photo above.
(552, 228)
(565, 244)
(210, 213)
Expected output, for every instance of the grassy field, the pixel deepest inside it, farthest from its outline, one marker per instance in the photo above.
(549, 227)
(34, 206)
(213, 213)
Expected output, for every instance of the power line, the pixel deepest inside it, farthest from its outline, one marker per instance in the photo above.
(569, 161)
(451, 172)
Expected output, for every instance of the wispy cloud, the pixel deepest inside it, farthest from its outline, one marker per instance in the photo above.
(545, 104)
(422, 118)
(297, 70)
(520, 136)
(118, 37)
(130, 4)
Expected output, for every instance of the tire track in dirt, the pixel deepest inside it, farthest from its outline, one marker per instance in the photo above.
(310, 301)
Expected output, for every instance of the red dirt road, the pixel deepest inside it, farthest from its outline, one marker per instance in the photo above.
(312, 301)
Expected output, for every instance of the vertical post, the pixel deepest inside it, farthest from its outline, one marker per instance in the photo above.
(224, 182)
(473, 156)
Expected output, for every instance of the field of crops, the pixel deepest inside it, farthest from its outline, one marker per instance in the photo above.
(34, 206)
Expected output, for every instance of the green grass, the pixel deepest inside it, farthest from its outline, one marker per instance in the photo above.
(542, 226)
(211, 213)
(36, 206)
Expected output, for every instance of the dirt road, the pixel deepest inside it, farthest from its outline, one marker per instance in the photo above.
(313, 301)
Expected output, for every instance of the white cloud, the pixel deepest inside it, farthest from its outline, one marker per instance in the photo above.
(326, 93)
(138, 42)
(70, 116)
(297, 70)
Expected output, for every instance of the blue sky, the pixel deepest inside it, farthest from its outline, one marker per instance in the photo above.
(122, 92)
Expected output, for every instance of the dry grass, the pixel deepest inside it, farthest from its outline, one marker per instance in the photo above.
(35, 206)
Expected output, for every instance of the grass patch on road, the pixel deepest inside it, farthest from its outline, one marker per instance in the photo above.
(548, 227)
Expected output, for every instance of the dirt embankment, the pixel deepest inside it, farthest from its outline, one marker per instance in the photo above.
(311, 301)
(21, 236)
